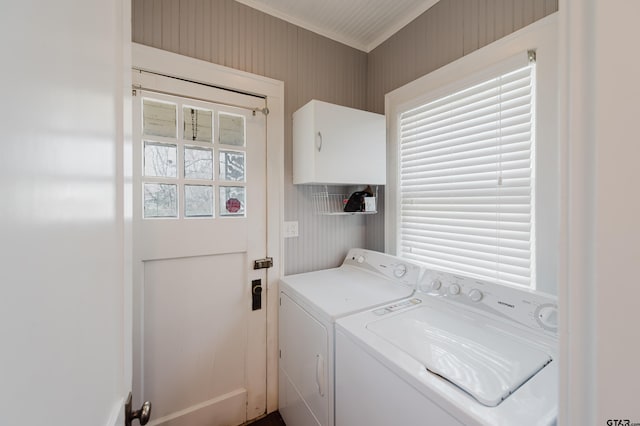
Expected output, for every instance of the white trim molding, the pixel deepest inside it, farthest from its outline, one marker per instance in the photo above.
(598, 300)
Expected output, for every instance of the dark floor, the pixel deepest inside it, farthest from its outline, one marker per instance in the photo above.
(273, 419)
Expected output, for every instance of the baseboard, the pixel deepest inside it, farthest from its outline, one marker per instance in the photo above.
(227, 409)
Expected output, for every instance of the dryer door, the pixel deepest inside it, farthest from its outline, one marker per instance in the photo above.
(304, 378)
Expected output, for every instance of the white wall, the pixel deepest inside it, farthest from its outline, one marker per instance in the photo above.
(600, 312)
(61, 212)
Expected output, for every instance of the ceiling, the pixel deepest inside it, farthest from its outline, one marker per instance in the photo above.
(362, 24)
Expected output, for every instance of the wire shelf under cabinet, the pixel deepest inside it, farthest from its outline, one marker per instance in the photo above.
(333, 204)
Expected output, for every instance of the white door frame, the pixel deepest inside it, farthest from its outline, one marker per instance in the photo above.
(174, 65)
(599, 292)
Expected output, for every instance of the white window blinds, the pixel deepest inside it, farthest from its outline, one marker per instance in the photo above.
(466, 179)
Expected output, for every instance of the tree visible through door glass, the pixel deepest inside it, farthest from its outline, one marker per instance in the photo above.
(198, 163)
(232, 165)
(160, 160)
(160, 200)
(198, 201)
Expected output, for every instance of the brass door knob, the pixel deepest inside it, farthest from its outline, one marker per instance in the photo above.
(143, 414)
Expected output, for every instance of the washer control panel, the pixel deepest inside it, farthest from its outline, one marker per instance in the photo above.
(532, 309)
(397, 306)
(398, 270)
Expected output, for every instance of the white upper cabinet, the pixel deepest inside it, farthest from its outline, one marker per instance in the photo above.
(336, 145)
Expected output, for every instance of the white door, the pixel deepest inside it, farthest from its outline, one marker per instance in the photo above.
(199, 223)
(64, 356)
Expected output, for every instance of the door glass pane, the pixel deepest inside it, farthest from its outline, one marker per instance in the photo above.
(198, 201)
(160, 200)
(231, 129)
(232, 165)
(232, 201)
(159, 119)
(160, 160)
(197, 124)
(198, 163)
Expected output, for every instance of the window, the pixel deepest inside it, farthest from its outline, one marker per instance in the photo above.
(466, 177)
(182, 146)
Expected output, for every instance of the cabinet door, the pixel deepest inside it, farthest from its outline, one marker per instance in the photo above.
(351, 145)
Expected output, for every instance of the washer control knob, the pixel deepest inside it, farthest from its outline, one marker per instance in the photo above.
(436, 284)
(360, 259)
(454, 289)
(475, 295)
(400, 270)
(548, 316)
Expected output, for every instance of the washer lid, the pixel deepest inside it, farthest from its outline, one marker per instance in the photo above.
(485, 361)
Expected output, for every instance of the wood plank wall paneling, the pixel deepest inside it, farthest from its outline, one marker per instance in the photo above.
(447, 31)
(313, 67)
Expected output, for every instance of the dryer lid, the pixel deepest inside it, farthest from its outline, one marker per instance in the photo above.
(484, 360)
(344, 290)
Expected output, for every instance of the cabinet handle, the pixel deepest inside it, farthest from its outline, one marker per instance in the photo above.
(320, 374)
(319, 142)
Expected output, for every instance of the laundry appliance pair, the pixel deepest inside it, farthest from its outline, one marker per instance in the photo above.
(382, 341)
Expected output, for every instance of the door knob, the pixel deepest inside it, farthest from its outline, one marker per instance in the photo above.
(143, 414)
(256, 294)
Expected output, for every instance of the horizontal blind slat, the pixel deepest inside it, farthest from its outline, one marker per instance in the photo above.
(474, 265)
(460, 128)
(520, 251)
(465, 200)
(474, 141)
(489, 113)
(515, 257)
(467, 208)
(463, 233)
(490, 274)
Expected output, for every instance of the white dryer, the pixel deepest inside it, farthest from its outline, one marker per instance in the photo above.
(310, 303)
(459, 352)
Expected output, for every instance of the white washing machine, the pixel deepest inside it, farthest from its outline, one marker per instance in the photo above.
(458, 352)
(310, 303)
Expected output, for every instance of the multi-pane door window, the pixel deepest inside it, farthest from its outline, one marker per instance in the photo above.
(466, 183)
(194, 160)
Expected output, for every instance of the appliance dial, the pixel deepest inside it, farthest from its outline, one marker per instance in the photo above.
(475, 295)
(400, 270)
(547, 317)
(454, 289)
(436, 284)
(360, 259)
